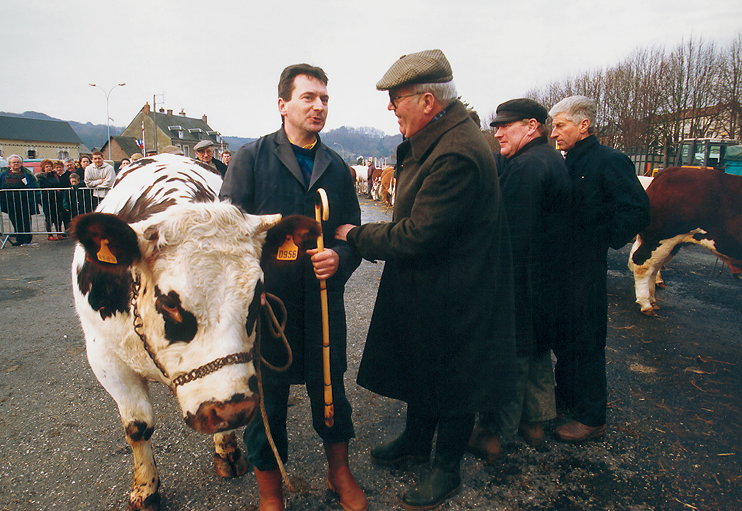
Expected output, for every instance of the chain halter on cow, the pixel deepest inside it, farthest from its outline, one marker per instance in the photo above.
(276, 329)
(194, 374)
(244, 357)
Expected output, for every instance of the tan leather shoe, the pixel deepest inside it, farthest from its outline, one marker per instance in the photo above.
(575, 432)
(532, 433)
(270, 485)
(341, 481)
(485, 445)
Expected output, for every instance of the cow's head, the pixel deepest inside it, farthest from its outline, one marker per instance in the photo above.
(197, 295)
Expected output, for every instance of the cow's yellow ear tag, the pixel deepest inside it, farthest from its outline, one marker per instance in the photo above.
(105, 255)
(288, 251)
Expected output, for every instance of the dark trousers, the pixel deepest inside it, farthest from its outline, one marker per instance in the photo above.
(581, 383)
(20, 216)
(276, 397)
(454, 432)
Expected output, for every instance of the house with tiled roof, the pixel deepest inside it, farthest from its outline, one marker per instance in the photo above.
(122, 147)
(160, 129)
(36, 138)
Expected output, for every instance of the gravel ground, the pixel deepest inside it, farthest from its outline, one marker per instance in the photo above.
(674, 421)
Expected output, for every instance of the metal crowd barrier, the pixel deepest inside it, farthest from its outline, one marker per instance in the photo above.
(41, 211)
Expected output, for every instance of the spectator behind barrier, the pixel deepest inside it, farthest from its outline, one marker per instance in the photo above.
(19, 206)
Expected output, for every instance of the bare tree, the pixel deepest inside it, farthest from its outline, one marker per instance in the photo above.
(730, 89)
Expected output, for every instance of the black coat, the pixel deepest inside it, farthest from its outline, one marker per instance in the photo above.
(537, 193)
(264, 178)
(609, 208)
(442, 333)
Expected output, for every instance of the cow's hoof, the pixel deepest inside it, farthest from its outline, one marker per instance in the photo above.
(151, 503)
(649, 312)
(227, 468)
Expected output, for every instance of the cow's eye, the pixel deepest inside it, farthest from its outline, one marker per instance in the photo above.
(167, 303)
(180, 324)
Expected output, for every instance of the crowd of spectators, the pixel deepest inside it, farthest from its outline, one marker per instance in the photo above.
(62, 190)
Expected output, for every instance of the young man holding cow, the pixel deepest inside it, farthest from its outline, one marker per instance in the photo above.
(609, 208)
(281, 173)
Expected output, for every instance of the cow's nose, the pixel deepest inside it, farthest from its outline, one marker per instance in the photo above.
(215, 416)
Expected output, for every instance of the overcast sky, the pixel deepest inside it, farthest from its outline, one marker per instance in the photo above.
(223, 59)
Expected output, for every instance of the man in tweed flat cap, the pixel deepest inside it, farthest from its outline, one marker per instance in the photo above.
(442, 333)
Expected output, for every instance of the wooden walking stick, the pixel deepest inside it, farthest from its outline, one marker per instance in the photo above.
(322, 212)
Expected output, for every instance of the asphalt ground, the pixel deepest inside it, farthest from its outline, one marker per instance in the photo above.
(675, 412)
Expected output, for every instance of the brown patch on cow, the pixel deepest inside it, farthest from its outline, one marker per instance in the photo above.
(107, 284)
(93, 230)
(108, 291)
(303, 230)
(253, 311)
(202, 193)
(180, 324)
(137, 431)
(131, 167)
(144, 207)
(228, 459)
(215, 416)
(207, 167)
(252, 384)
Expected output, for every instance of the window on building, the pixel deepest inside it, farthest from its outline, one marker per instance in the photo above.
(31, 154)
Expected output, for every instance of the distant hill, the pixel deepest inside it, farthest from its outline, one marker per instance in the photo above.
(350, 143)
(92, 135)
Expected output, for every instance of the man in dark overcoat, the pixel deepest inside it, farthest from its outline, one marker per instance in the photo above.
(536, 191)
(281, 173)
(609, 208)
(442, 332)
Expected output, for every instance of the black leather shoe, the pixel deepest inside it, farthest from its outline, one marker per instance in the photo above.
(432, 491)
(398, 451)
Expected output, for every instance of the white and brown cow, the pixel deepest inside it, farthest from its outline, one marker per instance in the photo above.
(167, 286)
(699, 206)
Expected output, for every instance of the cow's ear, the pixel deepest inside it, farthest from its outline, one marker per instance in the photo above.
(266, 222)
(300, 228)
(108, 240)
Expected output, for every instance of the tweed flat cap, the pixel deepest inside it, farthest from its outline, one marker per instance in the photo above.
(519, 109)
(429, 66)
(203, 145)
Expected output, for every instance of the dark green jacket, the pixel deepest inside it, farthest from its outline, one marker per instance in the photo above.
(442, 332)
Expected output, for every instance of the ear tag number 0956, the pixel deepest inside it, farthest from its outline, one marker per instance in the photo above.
(288, 251)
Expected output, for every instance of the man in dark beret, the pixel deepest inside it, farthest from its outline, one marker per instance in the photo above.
(441, 337)
(205, 154)
(536, 190)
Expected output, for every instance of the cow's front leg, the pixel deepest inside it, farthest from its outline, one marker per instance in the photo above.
(144, 495)
(644, 288)
(228, 460)
(131, 393)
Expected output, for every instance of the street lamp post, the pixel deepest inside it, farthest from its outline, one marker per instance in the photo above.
(341, 148)
(108, 117)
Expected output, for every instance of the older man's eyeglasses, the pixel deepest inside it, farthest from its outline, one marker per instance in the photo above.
(394, 99)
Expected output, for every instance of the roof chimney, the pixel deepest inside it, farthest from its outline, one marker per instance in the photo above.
(182, 112)
(162, 110)
(203, 118)
(170, 113)
(146, 108)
